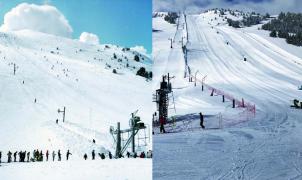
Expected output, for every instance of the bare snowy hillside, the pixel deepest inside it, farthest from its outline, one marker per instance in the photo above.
(97, 84)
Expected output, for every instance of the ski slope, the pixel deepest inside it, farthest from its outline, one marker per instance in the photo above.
(60, 72)
(264, 145)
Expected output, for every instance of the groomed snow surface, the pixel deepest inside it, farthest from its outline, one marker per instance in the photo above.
(237, 143)
(60, 72)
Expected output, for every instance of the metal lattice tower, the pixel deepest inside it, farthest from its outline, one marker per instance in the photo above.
(162, 97)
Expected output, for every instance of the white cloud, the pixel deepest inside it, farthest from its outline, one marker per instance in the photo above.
(42, 18)
(195, 6)
(139, 49)
(89, 38)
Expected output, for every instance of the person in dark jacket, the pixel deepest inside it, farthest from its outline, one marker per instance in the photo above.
(41, 156)
(85, 156)
(67, 154)
(59, 155)
(53, 155)
(47, 154)
(0, 156)
(110, 155)
(201, 120)
(128, 154)
(15, 156)
(9, 157)
(93, 154)
(102, 156)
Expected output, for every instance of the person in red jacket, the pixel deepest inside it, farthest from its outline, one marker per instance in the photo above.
(162, 122)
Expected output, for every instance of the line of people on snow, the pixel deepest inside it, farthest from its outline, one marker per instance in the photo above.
(128, 154)
(37, 155)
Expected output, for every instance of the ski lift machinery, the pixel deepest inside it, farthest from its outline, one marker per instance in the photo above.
(161, 97)
(135, 125)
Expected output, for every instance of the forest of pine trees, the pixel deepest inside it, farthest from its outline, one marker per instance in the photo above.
(288, 26)
(248, 20)
(171, 17)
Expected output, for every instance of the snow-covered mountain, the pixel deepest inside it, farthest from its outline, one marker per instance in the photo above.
(238, 143)
(60, 72)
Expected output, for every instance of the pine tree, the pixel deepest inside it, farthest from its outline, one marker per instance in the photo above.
(273, 34)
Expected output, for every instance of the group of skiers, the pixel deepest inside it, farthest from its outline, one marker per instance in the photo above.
(142, 155)
(37, 156)
(102, 155)
(134, 155)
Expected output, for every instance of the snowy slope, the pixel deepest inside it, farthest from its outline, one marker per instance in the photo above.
(61, 72)
(261, 146)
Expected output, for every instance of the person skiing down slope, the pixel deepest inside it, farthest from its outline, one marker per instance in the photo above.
(201, 120)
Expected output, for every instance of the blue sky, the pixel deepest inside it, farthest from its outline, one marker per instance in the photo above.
(121, 22)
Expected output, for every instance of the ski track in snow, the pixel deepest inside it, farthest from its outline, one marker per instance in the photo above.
(267, 146)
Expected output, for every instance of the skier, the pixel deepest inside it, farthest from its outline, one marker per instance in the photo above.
(102, 156)
(67, 154)
(162, 128)
(128, 154)
(93, 141)
(23, 154)
(0, 156)
(93, 154)
(15, 156)
(110, 155)
(57, 121)
(35, 100)
(41, 155)
(142, 155)
(36, 155)
(28, 155)
(135, 155)
(149, 154)
(9, 157)
(85, 156)
(47, 154)
(59, 155)
(53, 155)
(201, 120)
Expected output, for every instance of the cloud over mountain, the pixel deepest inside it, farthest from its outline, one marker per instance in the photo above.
(42, 18)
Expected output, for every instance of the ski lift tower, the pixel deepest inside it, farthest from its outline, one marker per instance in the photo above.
(161, 97)
(136, 125)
